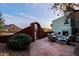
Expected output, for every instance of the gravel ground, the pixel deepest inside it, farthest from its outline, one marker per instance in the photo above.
(4, 51)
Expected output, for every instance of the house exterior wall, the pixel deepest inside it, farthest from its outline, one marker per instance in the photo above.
(77, 23)
(59, 26)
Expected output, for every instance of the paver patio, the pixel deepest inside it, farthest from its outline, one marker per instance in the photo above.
(44, 47)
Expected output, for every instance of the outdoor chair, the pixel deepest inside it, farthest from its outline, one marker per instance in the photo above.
(52, 38)
(62, 39)
(71, 40)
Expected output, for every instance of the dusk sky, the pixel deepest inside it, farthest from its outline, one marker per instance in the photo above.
(24, 14)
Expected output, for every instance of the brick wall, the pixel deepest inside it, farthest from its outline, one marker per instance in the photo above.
(29, 30)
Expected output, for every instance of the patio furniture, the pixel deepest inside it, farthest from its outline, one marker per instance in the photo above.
(52, 37)
(77, 39)
(62, 39)
(71, 40)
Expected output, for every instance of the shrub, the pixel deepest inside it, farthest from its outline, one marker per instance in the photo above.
(19, 41)
(76, 50)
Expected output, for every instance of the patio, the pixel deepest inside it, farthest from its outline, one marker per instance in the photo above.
(42, 47)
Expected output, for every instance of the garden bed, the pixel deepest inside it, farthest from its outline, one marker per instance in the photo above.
(4, 51)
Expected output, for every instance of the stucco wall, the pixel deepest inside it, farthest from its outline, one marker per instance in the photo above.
(59, 26)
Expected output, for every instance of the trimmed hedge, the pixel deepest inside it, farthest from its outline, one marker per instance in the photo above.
(19, 41)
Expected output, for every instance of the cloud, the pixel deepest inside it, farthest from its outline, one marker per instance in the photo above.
(42, 6)
(44, 21)
(22, 20)
(27, 16)
(43, 9)
(11, 19)
(42, 14)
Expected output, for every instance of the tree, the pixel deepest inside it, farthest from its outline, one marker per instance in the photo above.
(1, 21)
(67, 8)
(71, 11)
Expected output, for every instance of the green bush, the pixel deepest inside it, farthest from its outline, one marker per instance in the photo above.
(19, 41)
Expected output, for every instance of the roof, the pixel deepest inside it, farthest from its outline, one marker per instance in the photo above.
(57, 18)
(58, 14)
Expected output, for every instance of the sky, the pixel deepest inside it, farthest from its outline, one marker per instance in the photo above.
(22, 14)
